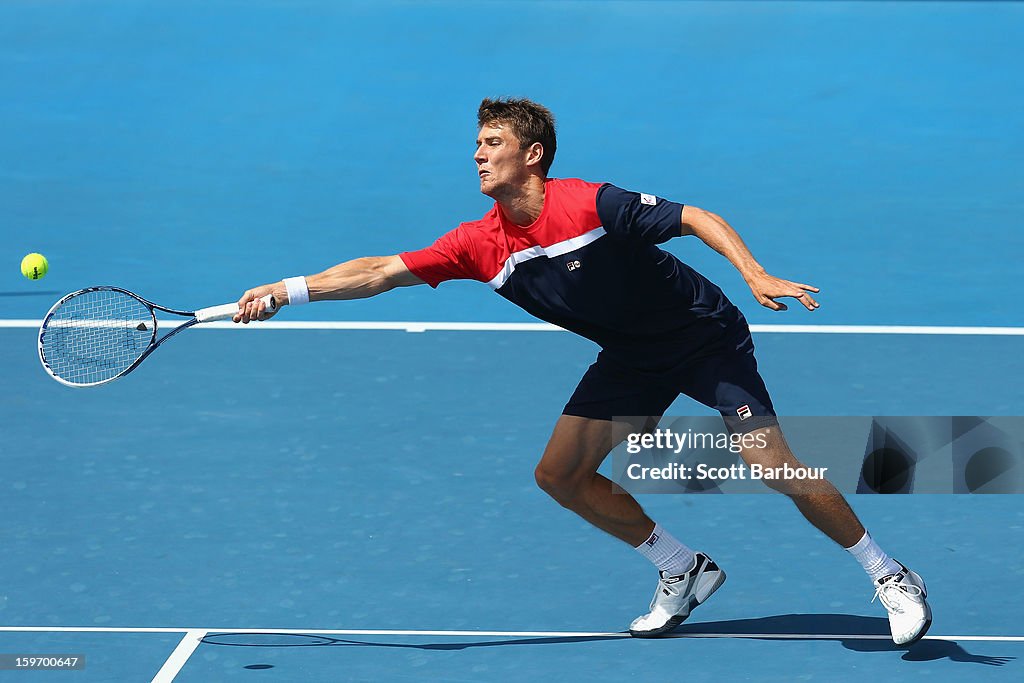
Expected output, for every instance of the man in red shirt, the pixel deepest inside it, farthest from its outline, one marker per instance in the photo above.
(584, 256)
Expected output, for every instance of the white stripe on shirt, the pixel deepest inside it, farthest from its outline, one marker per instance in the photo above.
(557, 249)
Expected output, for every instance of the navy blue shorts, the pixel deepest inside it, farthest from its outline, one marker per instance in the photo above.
(722, 375)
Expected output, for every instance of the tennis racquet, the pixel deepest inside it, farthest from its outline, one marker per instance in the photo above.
(98, 334)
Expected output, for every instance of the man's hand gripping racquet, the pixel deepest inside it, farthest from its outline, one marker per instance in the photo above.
(98, 334)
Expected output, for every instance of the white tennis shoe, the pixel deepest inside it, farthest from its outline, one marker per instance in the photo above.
(677, 596)
(904, 597)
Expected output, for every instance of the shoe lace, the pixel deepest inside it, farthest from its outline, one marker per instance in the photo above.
(663, 586)
(890, 592)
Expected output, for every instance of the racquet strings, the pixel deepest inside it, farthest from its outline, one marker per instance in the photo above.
(96, 336)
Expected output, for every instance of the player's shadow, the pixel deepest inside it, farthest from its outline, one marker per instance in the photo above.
(849, 630)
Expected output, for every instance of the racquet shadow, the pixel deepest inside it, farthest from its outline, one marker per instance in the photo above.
(797, 626)
(299, 640)
(44, 292)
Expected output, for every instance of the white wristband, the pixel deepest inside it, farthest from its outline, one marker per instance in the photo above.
(298, 291)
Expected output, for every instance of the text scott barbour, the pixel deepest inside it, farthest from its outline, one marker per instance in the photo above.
(679, 472)
(667, 440)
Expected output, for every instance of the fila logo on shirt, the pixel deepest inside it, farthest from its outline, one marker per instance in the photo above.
(648, 199)
(743, 411)
(573, 265)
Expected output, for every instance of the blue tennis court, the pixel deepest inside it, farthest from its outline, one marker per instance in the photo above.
(321, 502)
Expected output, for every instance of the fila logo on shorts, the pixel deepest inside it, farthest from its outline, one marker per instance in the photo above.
(573, 265)
(743, 411)
(648, 199)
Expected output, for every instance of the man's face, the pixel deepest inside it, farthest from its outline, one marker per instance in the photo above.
(500, 162)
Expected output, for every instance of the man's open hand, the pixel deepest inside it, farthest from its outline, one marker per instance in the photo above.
(767, 288)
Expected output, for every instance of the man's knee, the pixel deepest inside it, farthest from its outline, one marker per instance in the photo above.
(563, 486)
(576, 449)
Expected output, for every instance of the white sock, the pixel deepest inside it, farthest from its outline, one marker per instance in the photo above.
(874, 560)
(667, 554)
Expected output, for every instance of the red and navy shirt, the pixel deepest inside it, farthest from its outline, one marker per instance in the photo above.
(589, 263)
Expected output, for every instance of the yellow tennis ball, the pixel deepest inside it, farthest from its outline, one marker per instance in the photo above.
(34, 266)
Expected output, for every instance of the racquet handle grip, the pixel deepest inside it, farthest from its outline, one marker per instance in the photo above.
(228, 311)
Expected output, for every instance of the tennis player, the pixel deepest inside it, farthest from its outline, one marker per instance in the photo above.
(585, 256)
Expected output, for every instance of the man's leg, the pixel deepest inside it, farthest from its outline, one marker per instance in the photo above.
(902, 591)
(729, 382)
(818, 500)
(568, 473)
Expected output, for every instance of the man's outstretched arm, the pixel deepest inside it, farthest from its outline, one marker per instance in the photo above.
(719, 235)
(356, 279)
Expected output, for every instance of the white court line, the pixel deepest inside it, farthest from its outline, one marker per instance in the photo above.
(174, 663)
(476, 634)
(442, 326)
